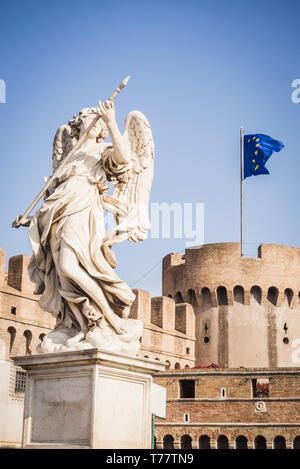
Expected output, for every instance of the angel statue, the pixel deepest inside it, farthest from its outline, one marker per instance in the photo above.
(72, 264)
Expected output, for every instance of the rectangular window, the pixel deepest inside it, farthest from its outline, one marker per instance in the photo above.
(20, 381)
(187, 388)
(13, 310)
(260, 387)
(223, 393)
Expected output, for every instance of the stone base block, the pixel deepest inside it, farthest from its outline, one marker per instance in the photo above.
(87, 399)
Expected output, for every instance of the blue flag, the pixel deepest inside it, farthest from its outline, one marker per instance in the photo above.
(257, 150)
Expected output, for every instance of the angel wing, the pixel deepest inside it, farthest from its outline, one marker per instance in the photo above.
(62, 145)
(132, 187)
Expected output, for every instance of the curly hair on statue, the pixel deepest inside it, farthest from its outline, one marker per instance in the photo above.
(77, 120)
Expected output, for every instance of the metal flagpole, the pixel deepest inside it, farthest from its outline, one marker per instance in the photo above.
(242, 187)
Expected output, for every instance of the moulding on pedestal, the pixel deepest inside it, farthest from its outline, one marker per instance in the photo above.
(87, 399)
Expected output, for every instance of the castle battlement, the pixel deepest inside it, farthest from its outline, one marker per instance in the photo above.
(17, 276)
(218, 267)
(169, 328)
(247, 310)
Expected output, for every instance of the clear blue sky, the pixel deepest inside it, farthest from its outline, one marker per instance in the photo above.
(199, 70)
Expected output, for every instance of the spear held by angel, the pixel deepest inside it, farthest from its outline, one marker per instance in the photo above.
(72, 264)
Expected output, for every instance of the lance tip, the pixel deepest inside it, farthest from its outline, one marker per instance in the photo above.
(124, 82)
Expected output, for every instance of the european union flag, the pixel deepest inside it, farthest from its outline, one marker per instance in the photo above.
(257, 150)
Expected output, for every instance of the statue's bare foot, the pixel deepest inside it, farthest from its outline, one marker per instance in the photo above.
(77, 338)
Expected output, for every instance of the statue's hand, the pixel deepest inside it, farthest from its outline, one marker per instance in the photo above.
(107, 111)
(20, 221)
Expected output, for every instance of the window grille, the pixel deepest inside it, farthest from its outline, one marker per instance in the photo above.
(17, 382)
(20, 381)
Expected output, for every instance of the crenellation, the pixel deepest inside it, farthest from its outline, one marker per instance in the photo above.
(141, 307)
(218, 264)
(250, 296)
(217, 308)
(184, 319)
(163, 312)
(156, 311)
(170, 260)
(18, 277)
(20, 312)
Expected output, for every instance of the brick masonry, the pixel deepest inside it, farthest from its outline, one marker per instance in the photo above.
(236, 414)
(252, 304)
(209, 314)
(167, 336)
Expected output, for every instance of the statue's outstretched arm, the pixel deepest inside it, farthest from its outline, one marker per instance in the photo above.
(122, 153)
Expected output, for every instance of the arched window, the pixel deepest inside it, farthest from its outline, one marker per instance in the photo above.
(256, 293)
(192, 298)
(146, 356)
(168, 364)
(178, 297)
(279, 442)
(186, 442)
(260, 442)
(222, 296)
(204, 442)
(289, 295)
(241, 442)
(206, 298)
(222, 442)
(177, 366)
(187, 367)
(296, 443)
(238, 294)
(273, 295)
(168, 442)
(157, 359)
(28, 336)
(169, 296)
(12, 332)
(41, 337)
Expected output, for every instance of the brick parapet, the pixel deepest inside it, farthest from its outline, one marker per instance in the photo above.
(220, 264)
(169, 333)
(163, 339)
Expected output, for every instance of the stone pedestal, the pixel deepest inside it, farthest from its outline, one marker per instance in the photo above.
(87, 399)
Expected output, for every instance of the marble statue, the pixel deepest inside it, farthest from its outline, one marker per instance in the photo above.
(72, 264)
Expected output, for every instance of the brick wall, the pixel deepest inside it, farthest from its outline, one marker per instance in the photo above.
(237, 414)
(244, 330)
(163, 339)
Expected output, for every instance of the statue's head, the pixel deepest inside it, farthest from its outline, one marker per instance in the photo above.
(80, 123)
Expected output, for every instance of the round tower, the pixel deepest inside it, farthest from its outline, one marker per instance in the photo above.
(247, 310)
